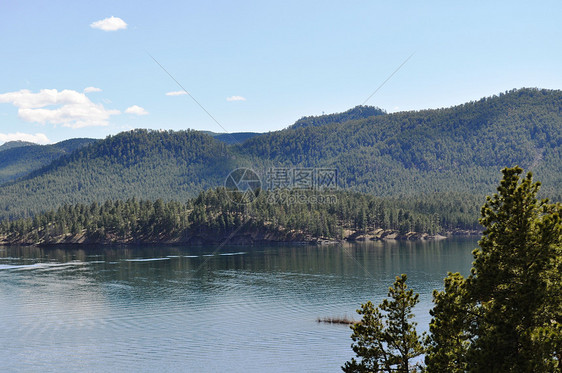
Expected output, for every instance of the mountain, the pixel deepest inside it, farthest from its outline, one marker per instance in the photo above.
(14, 144)
(233, 138)
(461, 148)
(358, 112)
(141, 163)
(19, 158)
(456, 151)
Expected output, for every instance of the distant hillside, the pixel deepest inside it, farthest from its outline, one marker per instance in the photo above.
(141, 163)
(14, 144)
(457, 151)
(358, 112)
(461, 148)
(19, 158)
(235, 137)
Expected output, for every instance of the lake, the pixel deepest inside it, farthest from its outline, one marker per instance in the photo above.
(204, 309)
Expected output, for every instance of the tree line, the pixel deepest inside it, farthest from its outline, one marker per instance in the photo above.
(411, 154)
(327, 216)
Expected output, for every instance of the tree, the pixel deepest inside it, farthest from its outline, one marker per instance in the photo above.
(386, 342)
(449, 338)
(369, 339)
(506, 316)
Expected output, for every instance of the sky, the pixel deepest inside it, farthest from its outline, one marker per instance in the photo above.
(91, 69)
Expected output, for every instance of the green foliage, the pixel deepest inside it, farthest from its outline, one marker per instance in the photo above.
(456, 149)
(506, 316)
(18, 159)
(422, 155)
(212, 213)
(387, 341)
(235, 137)
(142, 164)
(369, 340)
(450, 329)
(14, 144)
(358, 112)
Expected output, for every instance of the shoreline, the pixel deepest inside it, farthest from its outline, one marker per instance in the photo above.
(253, 238)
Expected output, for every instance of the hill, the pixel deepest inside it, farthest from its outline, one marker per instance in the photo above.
(358, 112)
(19, 158)
(455, 152)
(233, 138)
(14, 144)
(460, 149)
(141, 163)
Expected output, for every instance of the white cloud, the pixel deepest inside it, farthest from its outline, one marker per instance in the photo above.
(91, 89)
(235, 98)
(109, 24)
(74, 110)
(176, 93)
(137, 110)
(38, 138)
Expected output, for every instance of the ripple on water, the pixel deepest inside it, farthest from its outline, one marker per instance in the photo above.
(42, 266)
(252, 314)
(233, 254)
(145, 259)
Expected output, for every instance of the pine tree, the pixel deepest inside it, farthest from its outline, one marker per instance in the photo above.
(403, 342)
(387, 342)
(450, 335)
(368, 338)
(506, 316)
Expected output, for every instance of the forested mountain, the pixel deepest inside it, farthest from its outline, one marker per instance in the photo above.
(455, 151)
(141, 163)
(460, 148)
(19, 158)
(235, 137)
(14, 144)
(358, 112)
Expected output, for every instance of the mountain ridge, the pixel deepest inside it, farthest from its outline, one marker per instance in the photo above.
(24, 158)
(15, 144)
(458, 149)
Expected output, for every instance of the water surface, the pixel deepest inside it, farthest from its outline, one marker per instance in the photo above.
(240, 309)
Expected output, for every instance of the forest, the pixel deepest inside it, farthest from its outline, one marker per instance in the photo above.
(214, 216)
(441, 155)
(18, 158)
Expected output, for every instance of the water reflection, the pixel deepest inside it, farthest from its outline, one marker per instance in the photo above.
(182, 308)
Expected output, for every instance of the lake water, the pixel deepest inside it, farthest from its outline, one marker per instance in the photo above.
(185, 309)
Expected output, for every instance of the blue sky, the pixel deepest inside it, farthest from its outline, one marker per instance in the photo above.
(258, 66)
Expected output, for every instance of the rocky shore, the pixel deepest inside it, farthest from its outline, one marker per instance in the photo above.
(246, 237)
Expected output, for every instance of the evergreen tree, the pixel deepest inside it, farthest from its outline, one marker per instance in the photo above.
(506, 316)
(403, 342)
(368, 338)
(387, 342)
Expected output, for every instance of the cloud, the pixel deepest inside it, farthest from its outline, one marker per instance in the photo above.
(38, 138)
(91, 89)
(74, 110)
(109, 24)
(137, 110)
(176, 93)
(235, 98)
